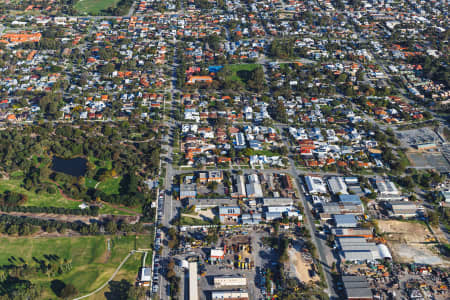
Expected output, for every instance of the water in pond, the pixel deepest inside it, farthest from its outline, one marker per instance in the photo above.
(75, 166)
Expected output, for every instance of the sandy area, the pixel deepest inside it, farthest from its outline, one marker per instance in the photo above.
(206, 214)
(301, 267)
(409, 242)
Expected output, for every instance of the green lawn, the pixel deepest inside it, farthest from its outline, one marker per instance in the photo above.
(100, 163)
(41, 200)
(109, 210)
(236, 69)
(94, 6)
(110, 186)
(184, 220)
(92, 263)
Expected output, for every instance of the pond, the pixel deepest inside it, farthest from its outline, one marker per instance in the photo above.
(74, 167)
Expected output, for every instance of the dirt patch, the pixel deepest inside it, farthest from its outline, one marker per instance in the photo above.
(301, 266)
(107, 254)
(411, 242)
(206, 214)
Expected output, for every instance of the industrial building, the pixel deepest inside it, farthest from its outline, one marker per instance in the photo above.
(193, 281)
(229, 295)
(315, 185)
(345, 221)
(357, 288)
(254, 189)
(335, 208)
(205, 203)
(229, 214)
(278, 202)
(337, 185)
(358, 249)
(251, 219)
(240, 187)
(403, 209)
(352, 232)
(386, 188)
(229, 281)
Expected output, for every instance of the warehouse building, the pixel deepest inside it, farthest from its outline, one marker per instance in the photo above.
(337, 185)
(315, 185)
(357, 288)
(359, 250)
(403, 209)
(229, 295)
(345, 221)
(386, 188)
(352, 232)
(251, 219)
(229, 281)
(278, 202)
(229, 214)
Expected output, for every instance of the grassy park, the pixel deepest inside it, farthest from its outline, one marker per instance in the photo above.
(91, 261)
(94, 6)
(44, 199)
(240, 72)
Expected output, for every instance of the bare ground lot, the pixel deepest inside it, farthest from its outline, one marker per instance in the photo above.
(410, 242)
(301, 267)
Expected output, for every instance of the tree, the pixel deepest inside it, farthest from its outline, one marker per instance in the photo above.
(69, 291)
(111, 227)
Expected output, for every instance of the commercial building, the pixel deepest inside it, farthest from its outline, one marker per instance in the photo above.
(193, 281)
(215, 176)
(229, 281)
(217, 254)
(315, 185)
(145, 276)
(229, 295)
(357, 288)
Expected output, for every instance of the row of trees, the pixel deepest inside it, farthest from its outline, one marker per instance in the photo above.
(23, 226)
(90, 211)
